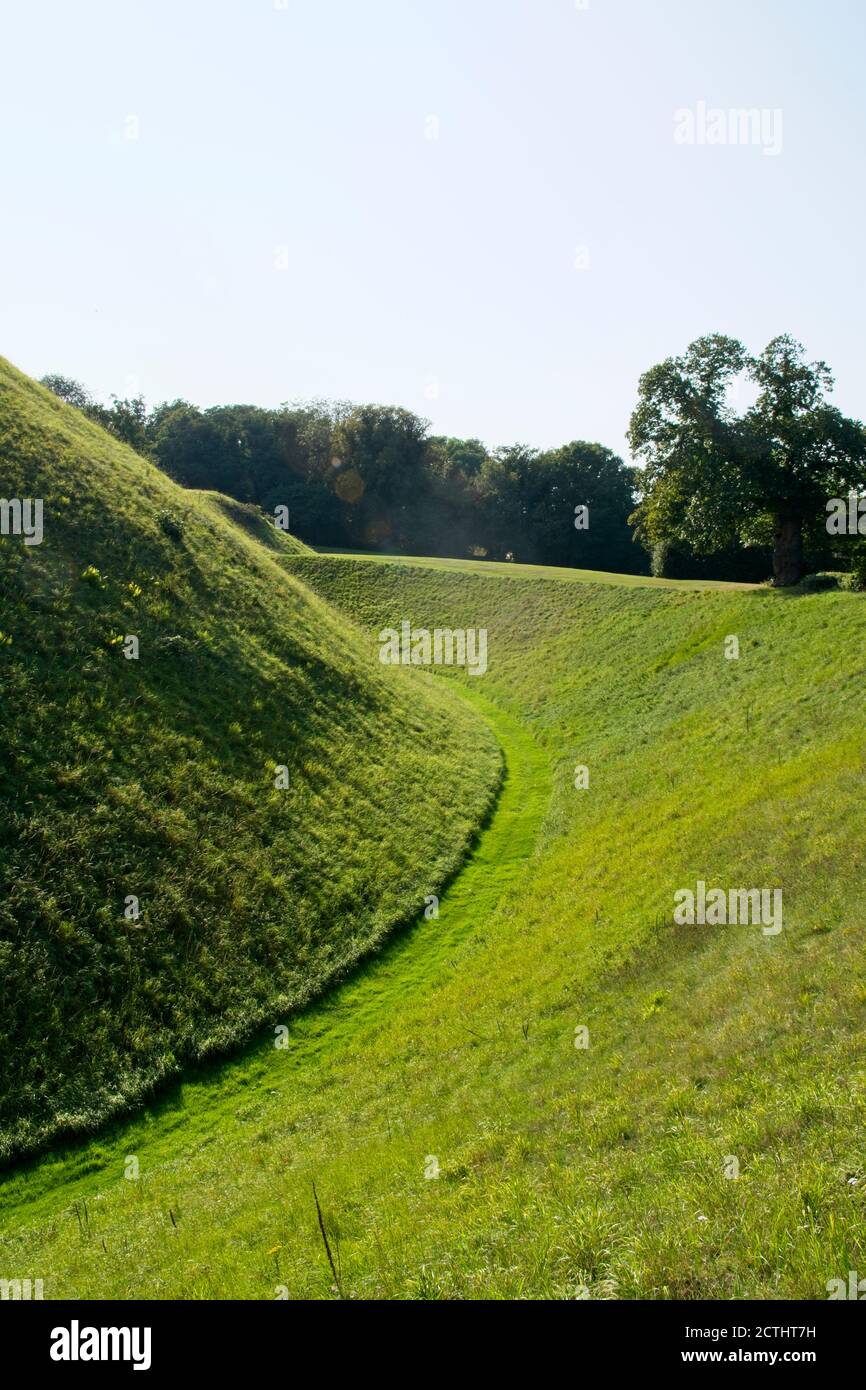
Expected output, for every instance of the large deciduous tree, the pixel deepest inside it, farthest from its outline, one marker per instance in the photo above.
(714, 475)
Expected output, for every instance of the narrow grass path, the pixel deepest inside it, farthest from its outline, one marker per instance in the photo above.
(220, 1098)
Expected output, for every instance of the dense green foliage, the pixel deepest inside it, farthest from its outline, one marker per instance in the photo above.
(372, 477)
(723, 495)
(559, 1168)
(715, 478)
(156, 778)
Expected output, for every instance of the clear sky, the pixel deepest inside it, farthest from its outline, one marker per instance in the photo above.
(384, 200)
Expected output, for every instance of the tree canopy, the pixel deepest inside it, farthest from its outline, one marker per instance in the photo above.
(373, 477)
(740, 455)
(714, 476)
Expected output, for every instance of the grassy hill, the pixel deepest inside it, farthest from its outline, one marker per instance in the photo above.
(155, 778)
(509, 570)
(707, 1142)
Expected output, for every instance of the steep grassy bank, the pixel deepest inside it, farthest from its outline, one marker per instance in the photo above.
(707, 1141)
(198, 832)
(218, 1104)
(706, 1044)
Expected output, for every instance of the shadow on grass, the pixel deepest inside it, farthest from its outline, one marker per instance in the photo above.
(80, 1149)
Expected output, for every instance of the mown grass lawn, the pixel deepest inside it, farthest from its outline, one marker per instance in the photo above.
(519, 571)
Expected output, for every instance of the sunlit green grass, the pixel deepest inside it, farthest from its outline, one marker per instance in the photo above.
(516, 571)
(559, 1169)
(156, 779)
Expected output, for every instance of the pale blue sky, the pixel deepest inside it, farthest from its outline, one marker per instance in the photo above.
(438, 274)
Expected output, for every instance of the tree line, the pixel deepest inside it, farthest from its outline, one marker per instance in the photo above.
(373, 477)
(721, 494)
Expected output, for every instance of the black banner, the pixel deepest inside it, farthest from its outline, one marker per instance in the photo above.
(148, 1338)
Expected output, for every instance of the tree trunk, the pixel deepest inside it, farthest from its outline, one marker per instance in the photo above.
(788, 551)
